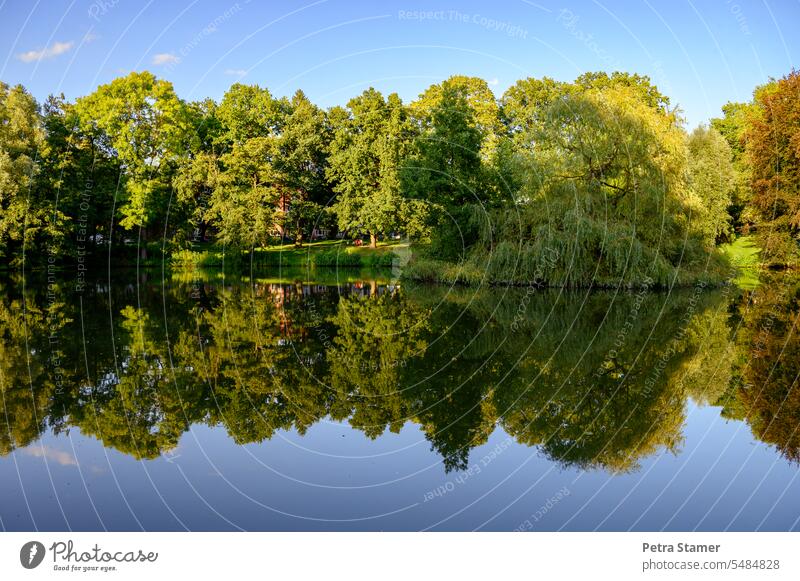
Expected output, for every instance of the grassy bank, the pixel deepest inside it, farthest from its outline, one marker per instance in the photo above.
(523, 270)
(744, 255)
(281, 275)
(325, 254)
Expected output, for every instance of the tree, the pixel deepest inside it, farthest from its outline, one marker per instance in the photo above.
(370, 140)
(773, 149)
(462, 111)
(446, 167)
(472, 93)
(604, 198)
(299, 167)
(524, 108)
(733, 127)
(768, 396)
(198, 170)
(713, 178)
(27, 383)
(445, 173)
(81, 177)
(249, 111)
(21, 137)
(376, 337)
(147, 126)
(646, 91)
(243, 204)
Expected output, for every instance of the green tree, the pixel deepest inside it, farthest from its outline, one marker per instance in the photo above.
(525, 106)
(475, 93)
(299, 164)
(21, 137)
(377, 336)
(371, 139)
(81, 178)
(247, 112)
(646, 91)
(733, 127)
(148, 127)
(713, 178)
(243, 205)
(244, 202)
(445, 169)
(605, 164)
(198, 170)
(768, 397)
(445, 175)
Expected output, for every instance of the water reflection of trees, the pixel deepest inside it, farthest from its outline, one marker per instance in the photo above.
(592, 379)
(767, 394)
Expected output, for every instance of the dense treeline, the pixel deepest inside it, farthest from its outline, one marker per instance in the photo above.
(594, 181)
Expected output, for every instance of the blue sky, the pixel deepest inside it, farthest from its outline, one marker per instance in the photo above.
(701, 53)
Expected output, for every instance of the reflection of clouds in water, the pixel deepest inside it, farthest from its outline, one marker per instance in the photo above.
(52, 454)
(60, 457)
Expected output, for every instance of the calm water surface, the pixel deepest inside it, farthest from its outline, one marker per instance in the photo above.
(203, 402)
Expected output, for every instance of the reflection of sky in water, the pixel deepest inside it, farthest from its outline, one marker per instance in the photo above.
(334, 478)
(584, 383)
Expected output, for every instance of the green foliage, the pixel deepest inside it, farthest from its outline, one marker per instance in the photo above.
(645, 91)
(336, 258)
(525, 105)
(148, 127)
(613, 370)
(606, 163)
(21, 137)
(733, 126)
(299, 164)
(187, 258)
(445, 169)
(589, 182)
(370, 140)
(713, 178)
(331, 254)
(243, 205)
(247, 112)
(198, 171)
(475, 105)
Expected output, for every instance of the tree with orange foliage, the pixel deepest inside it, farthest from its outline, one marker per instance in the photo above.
(773, 148)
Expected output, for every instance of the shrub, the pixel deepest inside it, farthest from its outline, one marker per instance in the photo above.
(336, 258)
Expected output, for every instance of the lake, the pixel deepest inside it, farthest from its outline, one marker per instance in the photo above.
(353, 401)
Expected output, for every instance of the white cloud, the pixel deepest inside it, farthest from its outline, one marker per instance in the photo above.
(46, 53)
(165, 58)
(236, 72)
(57, 456)
(90, 37)
(494, 82)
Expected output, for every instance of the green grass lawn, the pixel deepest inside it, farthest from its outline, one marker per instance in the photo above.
(744, 254)
(325, 253)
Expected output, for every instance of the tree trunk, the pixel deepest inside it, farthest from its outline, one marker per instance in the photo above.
(142, 242)
(373, 240)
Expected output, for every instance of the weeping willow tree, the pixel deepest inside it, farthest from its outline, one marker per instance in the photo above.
(604, 197)
(605, 200)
